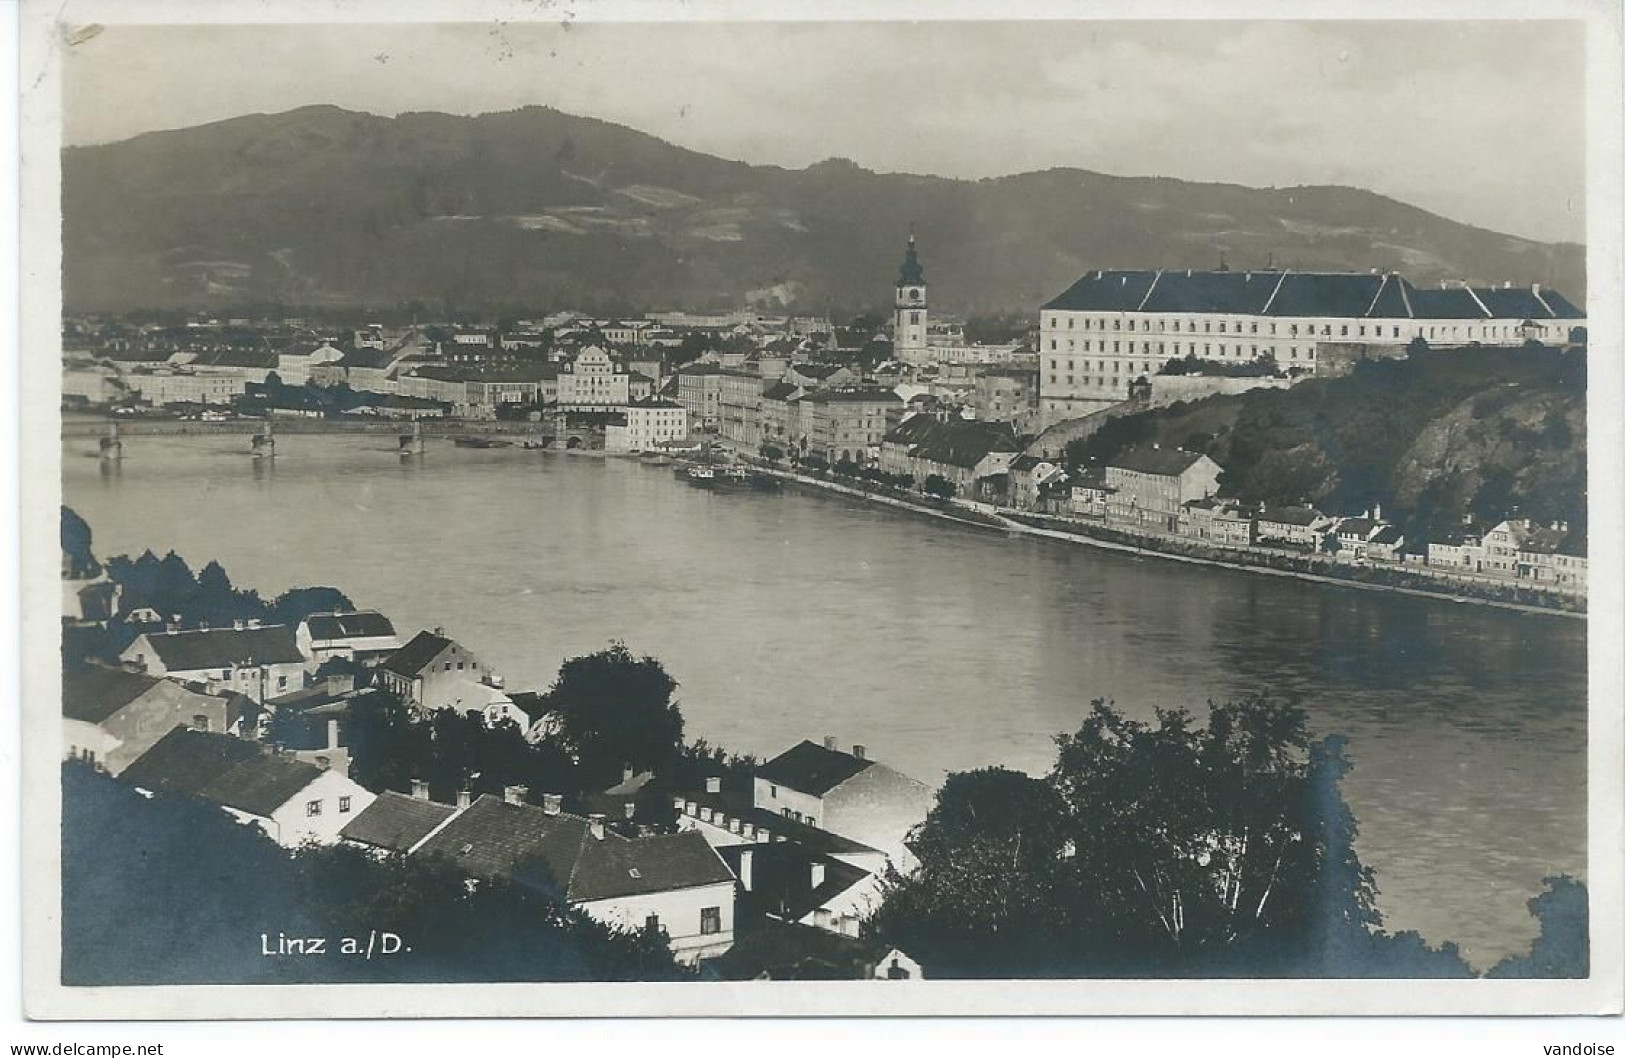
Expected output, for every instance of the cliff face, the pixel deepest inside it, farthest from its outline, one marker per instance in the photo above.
(1435, 439)
(1508, 446)
(537, 208)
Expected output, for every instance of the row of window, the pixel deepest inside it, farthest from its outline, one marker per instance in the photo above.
(314, 808)
(1162, 349)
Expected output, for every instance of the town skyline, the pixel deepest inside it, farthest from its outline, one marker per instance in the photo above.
(1322, 113)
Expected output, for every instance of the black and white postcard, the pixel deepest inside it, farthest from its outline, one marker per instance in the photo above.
(649, 510)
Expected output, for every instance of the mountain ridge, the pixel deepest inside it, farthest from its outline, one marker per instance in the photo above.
(537, 207)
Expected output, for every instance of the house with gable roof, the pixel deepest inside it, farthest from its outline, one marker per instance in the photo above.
(256, 661)
(674, 882)
(294, 802)
(364, 636)
(846, 793)
(111, 716)
(1152, 484)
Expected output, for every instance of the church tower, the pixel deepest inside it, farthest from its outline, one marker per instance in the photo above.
(909, 324)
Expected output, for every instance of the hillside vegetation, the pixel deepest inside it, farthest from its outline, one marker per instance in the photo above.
(1435, 438)
(536, 208)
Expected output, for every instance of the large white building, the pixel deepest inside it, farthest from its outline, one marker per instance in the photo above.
(594, 382)
(1112, 327)
(650, 423)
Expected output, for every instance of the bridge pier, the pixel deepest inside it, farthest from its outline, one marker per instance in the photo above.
(112, 446)
(411, 444)
(263, 446)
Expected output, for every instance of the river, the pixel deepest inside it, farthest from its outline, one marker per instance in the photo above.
(939, 647)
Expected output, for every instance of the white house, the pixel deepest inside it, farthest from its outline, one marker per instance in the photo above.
(256, 661)
(292, 801)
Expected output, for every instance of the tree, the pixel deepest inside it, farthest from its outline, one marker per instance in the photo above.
(1160, 848)
(296, 604)
(615, 710)
(78, 557)
(988, 897)
(1563, 948)
(940, 487)
(125, 857)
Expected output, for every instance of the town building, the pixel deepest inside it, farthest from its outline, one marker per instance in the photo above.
(294, 362)
(594, 382)
(1113, 327)
(1007, 394)
(111, 716)
(674, 882)
(739, 413)
(1299, 527)
(294, 802)
(699, 389)
(846, 793)
(777, 951)
(779, 414)
(844, 424)
(910, 317)
(1216, 520)
(432, 672)
(961, 452)
(1549, 555)
(256, 661)
(1028, 477)
(651, 423)
(363, 636)
(1151, 486)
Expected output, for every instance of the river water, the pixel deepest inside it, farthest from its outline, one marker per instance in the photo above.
(940, 648)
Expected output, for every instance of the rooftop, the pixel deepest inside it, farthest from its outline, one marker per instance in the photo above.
(222, 648)
(811, 768)
(396, 822)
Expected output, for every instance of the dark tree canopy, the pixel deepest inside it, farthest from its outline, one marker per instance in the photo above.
(172, 891)
(1161, 848)
(78, 556)
(1563, 948)
(617, 710)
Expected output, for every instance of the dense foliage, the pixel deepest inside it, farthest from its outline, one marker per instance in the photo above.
(617, 710)
(1563, 948)
(1154, 849)
(1432, 438)
(170, 891)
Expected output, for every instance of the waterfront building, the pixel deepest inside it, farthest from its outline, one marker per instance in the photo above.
(1527, 550)
(1090, 493)
(1028, 477)
(1113, 327)
(844, 424)
(1152, 484)
(184, 386)
(293, 801)
(594, 382)
(779, 414)
(1299, 526)
(846, 793)
(651, 423)
(960, 451)
(780, 951)
(1457, 551)
(739, 412)
(1216, 520)
(699, 389)
(254, 660)
(111, 716)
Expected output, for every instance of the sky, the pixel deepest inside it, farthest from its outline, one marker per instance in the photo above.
(1479, 121)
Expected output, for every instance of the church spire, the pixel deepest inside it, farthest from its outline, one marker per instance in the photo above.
(911, 274)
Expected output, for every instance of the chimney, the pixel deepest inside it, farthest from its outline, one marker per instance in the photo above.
(552, 803)
(515, 795)
(1534, 288)
(1376, 512)
(324, 763)
(705, 813)
(626, 773)
(595, 824)
(745, 866)
(131, 665)
(333, 733)
(253, 622)
(465, 797)
(239, 624)
(764, 835)
(631, 809)
(736, 824)
(420, 790)
(691, 809)
(817, 874)
(748, 830)
(860, 752)
(829, 742)
(713, 784)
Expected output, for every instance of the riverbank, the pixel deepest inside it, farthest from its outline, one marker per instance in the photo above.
(96, 426)
(956, 511)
